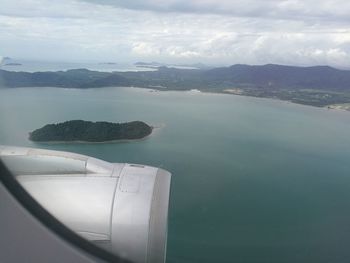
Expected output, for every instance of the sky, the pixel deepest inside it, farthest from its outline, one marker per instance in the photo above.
(215, 32)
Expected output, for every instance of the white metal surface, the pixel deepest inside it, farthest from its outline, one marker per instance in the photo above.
(122, 207)
(82, 203)
(25, 239)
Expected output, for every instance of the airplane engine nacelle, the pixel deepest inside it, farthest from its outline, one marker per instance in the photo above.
(118, 206)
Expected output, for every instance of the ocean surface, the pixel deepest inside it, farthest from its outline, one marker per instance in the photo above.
(35, 66)
(254, 180)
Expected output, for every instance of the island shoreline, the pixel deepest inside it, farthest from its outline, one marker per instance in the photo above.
(84, 132)
(154, 128)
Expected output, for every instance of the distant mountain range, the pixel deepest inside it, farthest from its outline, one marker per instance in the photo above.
(277, 76)
(318, 85)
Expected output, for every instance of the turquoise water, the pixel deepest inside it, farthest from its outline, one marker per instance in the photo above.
(254, 180)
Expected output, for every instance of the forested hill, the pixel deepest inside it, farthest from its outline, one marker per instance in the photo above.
(76, 78)
(318, 77)
(87, 131)
(319, 85)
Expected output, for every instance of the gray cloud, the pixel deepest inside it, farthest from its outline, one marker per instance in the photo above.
(336, 10)
(222, 32)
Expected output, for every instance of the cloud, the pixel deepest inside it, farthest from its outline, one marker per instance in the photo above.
(221, 32)
(282, 9)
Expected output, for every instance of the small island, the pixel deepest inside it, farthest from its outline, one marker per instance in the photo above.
(108, 63)
(13, 64)
(87, 131)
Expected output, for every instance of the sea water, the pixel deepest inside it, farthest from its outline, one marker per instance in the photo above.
(254, 180)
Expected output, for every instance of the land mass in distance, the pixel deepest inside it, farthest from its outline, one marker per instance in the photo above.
(87, 131)
(317, 86)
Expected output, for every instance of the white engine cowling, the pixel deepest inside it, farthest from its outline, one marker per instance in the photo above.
(118, 206)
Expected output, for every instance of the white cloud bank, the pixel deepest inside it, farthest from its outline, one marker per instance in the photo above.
(221, 32)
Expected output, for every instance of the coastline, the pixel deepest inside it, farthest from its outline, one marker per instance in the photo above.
(339, 107)
(226, 92)
(345, 107)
